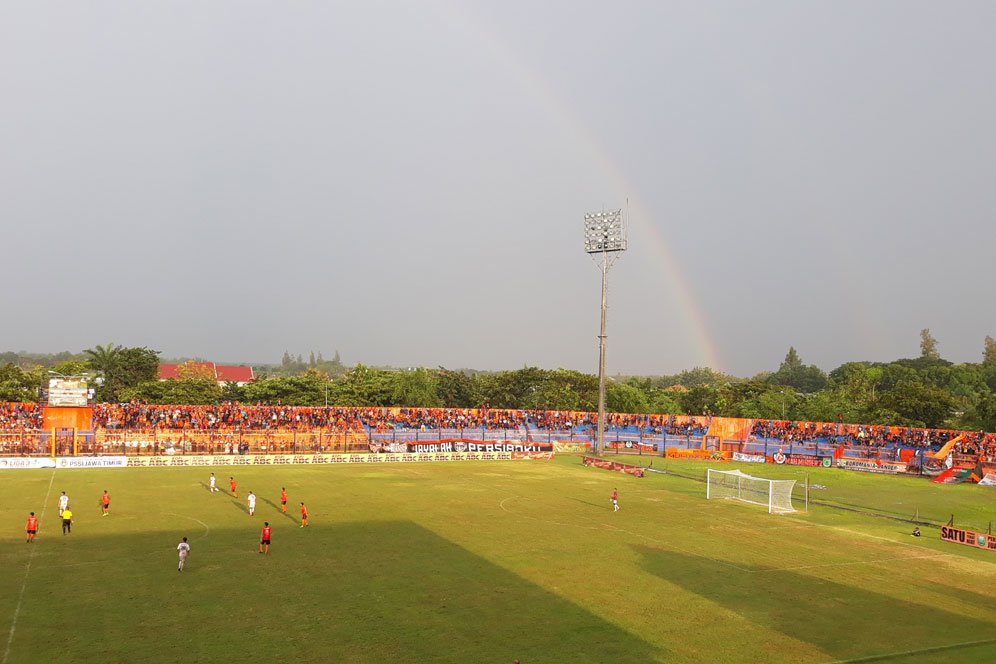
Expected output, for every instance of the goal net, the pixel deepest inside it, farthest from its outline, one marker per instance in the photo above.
(776, 495)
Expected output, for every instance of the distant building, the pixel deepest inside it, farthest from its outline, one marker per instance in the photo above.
(221, 373)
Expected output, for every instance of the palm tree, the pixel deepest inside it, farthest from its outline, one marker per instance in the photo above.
(103, 358)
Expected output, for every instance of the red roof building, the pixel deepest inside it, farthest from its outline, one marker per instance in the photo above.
(221, 373)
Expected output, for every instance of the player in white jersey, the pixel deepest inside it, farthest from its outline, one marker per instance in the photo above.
(183, 549)
(63, 502)
(213, 488)
(252, 503)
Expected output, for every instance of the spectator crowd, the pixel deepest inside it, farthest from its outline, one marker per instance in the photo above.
(235, 416)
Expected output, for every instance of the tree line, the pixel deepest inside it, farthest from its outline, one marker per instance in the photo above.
(926, 391)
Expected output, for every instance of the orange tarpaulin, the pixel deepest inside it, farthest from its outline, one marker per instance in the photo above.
(730, 428)
(944, 451)
(67, 418)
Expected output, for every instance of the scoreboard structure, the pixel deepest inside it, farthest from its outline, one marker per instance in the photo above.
(68, 392)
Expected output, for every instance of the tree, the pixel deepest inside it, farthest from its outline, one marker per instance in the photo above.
(190, 390)
(308, 389)
(416, 387)
(190, 370)
(72, 367)
(103, 358)
(701, 400)
(123, 368)
(663, 402)
(919, 404)
(983, 413)
(793, 373)
(989, 353)
(928, 345)
(16, 384)
(622, 398)
(457, 389)
(792, 360)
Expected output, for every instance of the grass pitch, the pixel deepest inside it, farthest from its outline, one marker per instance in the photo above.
(485, 562)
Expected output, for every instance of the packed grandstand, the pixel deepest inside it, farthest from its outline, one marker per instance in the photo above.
(241, 428)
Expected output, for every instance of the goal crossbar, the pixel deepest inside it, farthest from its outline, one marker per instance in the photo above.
(775, 495)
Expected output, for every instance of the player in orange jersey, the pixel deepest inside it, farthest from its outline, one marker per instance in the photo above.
(304, 515)
(232, 485)
(264, 537)
(283, 500)
(105, 503)
(31, 527)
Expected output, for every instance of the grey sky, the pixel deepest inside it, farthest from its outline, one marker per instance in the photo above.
(405, 182)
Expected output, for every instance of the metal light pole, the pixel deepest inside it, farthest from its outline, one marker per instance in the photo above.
(605, 234)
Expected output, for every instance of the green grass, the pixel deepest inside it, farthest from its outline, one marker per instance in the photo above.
(485, 562)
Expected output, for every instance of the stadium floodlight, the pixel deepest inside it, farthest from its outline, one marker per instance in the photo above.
(776, 495)
(605, 235)
(604, 232)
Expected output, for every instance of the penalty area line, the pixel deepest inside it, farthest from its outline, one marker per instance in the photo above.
(207, 528)
(27, 571)
(913, 653)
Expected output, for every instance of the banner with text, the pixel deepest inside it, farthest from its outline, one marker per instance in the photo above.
(459, 445)
(797, 460)
(324, 459)
(968, 538)
(26, 462)
(632, 445)
(872, 465)
(710, 455)
(749, 458)
(92, 462)
(571, 446)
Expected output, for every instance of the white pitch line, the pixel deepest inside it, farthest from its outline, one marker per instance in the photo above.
(27, 570)
(910, 653)
(853, 562)
(603, 526)
(207, 528)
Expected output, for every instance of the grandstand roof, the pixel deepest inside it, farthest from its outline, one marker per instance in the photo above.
(221, 373)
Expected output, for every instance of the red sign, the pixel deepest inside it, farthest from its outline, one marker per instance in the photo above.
(612, 465)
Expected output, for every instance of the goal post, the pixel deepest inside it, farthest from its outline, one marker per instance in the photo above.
(775, 495)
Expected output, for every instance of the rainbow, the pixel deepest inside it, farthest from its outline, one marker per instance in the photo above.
(639, 218)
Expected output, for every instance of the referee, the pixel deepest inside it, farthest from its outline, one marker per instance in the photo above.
(67, 521)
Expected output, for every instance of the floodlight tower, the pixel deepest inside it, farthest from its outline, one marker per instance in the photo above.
(605, 234)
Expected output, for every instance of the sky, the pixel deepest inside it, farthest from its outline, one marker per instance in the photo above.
(405, 182)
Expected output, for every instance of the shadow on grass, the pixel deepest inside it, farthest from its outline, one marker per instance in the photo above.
(386, 591)
(598, 505)
(277, 508)
(238, 503)
(840, 619)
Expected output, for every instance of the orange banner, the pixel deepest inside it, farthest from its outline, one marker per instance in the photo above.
(680, 453)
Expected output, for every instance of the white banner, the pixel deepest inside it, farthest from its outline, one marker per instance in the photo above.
(26, 462)
(988, 480)
(92, 462)
(748, 458)
(319, 459)
(872, 465)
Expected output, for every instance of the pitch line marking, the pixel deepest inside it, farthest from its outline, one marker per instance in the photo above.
(207, 528)
(27, 571)
(910, 653)
(853, 562)
(606, 526)
(613, 527)
(207, 531)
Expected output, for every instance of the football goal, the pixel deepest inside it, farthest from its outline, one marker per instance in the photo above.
(776, 495)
